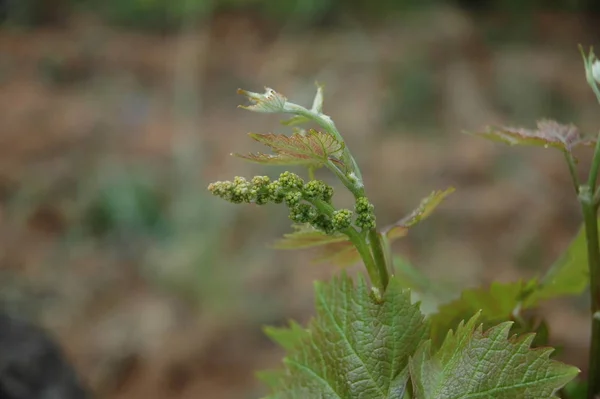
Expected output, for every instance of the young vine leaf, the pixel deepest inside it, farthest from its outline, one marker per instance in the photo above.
(305, 236)
(425, 208)
(269, 102)
(494, 304)
(358, 347)
(311, 149)
(337, 249)
(548, 134)
(288, 337)
(568, 276)
(473, 364)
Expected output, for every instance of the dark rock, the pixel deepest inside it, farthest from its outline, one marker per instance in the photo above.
(32, 365)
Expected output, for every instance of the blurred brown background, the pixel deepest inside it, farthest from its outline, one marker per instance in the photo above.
(116, 114)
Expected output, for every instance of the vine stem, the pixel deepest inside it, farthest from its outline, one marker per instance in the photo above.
(373, 266)
(590, 217)
(365, 253)
(591, 234)
(572, 170)
(379, 257)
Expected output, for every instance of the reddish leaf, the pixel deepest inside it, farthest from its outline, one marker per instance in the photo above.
(426, 207)
(342, 253)
(335, 249)
(312, 148)
(548, 134)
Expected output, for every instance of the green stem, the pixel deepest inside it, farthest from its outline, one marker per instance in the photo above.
(572, 170)
(365, 253)
(590, 219)
(387, 251)
(379, 257)
(591, 234)
(593, 178)
(356, 190)
(597, 197)
(360, 242)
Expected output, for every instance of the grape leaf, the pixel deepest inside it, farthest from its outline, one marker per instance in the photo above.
(339, 253)
(335, 248)
(497, 303)
(269, 102)
(357, 347)
(548, 134)
(305, 236)
(289, 337)
(567, 276)
(295, 120)
(339, 250)
(425, 208)
(475, 364)
(311, 149)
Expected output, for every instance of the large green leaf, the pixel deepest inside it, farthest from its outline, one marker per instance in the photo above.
(496, 303)
(504, 301)
(287, 338)
(473, 364)
(358, 347)
(568, 276)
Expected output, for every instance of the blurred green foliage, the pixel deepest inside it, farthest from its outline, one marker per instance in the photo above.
(171, 14)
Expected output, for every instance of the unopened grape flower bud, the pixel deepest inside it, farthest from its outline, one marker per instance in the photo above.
(303, 213)
(290, 181)
(341, 219)
(365, 218)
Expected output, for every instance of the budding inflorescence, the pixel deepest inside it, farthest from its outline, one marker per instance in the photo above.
(317, 189)
(365, 217)
(308, 202)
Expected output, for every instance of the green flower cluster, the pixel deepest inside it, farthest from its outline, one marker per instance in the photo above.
(365, 217)
(302, 199)
(308, 202)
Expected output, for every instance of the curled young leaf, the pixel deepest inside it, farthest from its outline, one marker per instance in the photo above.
(425, 208)
(268, 102)
(295, 120)
(312, 148)
(548, 134)
(317, 105)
